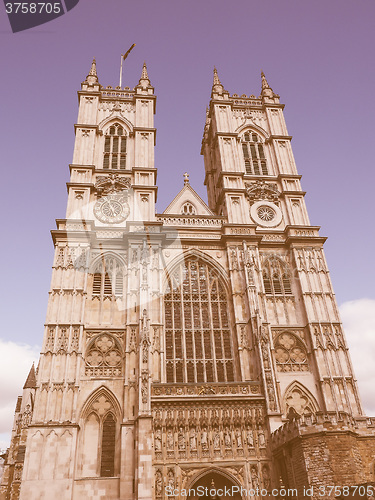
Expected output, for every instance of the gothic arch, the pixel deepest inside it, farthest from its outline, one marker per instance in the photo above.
(87, 407)
(223, 477)
(199, 344)
(276, 275)
(252, 128)
(99, 436)
(106, 275)
(298, 397)
(199, 255)
(113, 118)
(101, 259)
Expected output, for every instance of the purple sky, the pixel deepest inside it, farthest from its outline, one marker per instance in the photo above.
(318, 55)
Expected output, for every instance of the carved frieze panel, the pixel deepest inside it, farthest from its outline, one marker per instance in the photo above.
(187, 433)
(206, 389)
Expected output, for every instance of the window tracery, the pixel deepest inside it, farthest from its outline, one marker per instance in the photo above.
(103, 357)
(299, 400)
(290, 353)
(276, 277)
(100, 428)
(115, 148)
(253, 154)
(108, 278)
(188, 209)
(198, 339)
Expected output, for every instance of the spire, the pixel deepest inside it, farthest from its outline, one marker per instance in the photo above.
(31, 379)
(144, 81)
(217, 86)
(216, 77)
(92, 77)
(264, 81)
(266, 89)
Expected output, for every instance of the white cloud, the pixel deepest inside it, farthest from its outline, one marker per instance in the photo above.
(16, 361)
(358, 317)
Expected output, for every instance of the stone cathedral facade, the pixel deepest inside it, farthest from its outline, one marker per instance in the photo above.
(201, 346)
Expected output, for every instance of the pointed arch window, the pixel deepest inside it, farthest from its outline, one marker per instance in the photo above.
(100, 434)
(276, 277)
(108, 278)
(198, 338)
(115, 145)
(253, 154)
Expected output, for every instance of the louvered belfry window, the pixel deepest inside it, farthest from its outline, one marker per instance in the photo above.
(253, 153)
(198, 339)
(108, 278)
(115, 148)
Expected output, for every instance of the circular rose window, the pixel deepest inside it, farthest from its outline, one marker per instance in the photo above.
(266, 214)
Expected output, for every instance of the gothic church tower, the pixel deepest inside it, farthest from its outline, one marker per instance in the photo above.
(197, 347)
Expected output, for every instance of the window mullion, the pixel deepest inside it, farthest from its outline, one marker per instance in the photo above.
(213, 350)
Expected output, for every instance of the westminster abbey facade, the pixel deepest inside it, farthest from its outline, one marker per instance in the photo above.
(198, 347)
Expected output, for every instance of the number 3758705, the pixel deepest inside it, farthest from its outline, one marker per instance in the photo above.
(33, 8)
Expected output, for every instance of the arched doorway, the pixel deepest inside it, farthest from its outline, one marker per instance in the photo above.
(214, 486)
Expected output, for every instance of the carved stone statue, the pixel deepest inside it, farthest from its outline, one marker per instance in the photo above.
(204, 438)
(193, 439)
(158, 483)
(227, 438)
(170, 440)
(157, 440)
(239, 438)
(171, 479)
(261, 439)
(216, 440)
(181, 439)
(250, 438)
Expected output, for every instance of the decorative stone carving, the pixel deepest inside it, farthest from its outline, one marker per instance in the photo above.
(103, 356)
(170, 440)
(290, 353)
(204, 438)
(144, 388)
(111, 183)
(181, 439)
(133, 340)
(62, 341)
(158, 484)
(193, 439)
(157, 440)
(254, 477)
(266, 477)
(261, 190)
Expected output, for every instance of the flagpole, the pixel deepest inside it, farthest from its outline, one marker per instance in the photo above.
(121, 71)
(123, 57)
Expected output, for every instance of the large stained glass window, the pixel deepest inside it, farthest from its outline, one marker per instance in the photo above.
(198, 339)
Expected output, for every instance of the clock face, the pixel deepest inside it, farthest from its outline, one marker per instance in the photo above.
(112, 209)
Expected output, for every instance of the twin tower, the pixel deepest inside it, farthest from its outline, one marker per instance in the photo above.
(196, 349)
